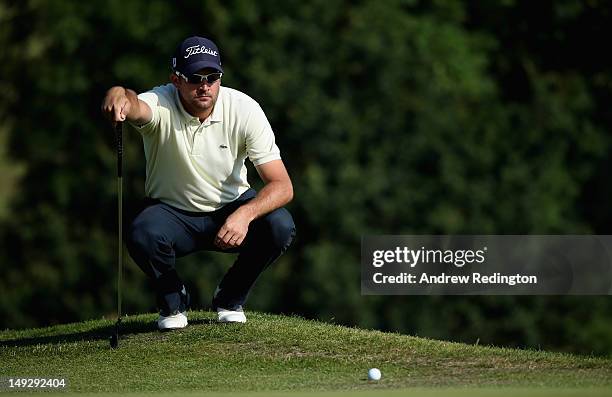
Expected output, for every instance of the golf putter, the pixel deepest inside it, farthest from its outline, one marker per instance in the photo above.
(114, 338)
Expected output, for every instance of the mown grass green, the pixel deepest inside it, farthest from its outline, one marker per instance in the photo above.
(282, 354)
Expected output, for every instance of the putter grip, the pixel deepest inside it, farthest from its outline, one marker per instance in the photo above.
(119, 132)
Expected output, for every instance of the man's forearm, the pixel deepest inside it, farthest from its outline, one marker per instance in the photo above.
(273, 195)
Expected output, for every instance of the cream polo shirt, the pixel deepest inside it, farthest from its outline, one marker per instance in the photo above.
(200, 166)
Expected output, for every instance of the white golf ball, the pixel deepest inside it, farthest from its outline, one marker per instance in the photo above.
(374, 374)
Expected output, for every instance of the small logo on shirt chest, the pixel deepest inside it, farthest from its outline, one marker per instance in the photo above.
(222, 147)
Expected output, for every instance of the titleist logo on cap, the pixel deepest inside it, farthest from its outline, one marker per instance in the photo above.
(196, 49)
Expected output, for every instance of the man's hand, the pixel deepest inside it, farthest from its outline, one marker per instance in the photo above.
(234, 230)
(116, 105)
(277, 192)
(121, 104)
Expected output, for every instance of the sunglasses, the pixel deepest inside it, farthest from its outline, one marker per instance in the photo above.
(201, 78)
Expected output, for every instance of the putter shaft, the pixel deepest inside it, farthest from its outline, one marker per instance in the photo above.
(114, 338)
(119, 131)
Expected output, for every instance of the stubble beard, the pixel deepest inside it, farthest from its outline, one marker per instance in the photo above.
(208, 104)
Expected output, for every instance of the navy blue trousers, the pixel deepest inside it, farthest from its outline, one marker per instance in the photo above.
(161, 233)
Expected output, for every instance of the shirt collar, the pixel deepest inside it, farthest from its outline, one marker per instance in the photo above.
(215, 117)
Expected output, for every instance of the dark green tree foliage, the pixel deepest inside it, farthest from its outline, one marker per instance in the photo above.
(396, 117)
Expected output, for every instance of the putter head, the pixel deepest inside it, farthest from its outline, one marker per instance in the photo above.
(114, 338)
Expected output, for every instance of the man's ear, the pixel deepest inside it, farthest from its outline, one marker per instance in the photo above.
(175, 79)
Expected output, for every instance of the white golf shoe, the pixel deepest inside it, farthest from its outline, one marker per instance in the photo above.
(231, 316)
(173, 321)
